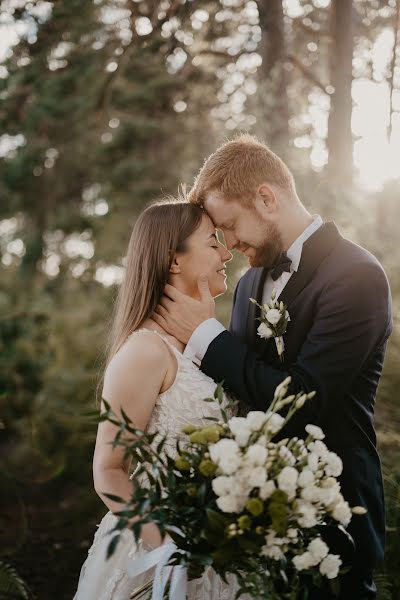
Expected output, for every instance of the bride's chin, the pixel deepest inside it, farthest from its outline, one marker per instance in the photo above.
(218, 290)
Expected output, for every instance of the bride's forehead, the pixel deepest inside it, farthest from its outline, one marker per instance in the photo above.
(206, 225)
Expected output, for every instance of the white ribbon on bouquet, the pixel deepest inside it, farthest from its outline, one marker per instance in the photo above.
(159, 558)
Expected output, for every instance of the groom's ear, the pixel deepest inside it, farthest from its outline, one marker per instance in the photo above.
(175, 267)
(266, 198)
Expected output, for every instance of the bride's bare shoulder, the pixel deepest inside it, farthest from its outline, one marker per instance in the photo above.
(142, 352)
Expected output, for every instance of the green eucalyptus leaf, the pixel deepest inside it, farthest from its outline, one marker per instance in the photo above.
(114, 498)
(112, 545)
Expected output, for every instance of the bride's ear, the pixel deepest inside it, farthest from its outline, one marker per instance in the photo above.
(175, 268)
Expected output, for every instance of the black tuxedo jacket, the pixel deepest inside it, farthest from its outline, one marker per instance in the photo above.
(340, 309)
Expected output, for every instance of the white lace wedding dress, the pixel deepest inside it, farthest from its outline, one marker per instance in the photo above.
(181, 404)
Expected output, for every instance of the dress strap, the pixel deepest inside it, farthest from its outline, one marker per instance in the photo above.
(177, 352)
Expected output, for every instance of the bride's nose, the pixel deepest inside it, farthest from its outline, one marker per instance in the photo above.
(226, 256)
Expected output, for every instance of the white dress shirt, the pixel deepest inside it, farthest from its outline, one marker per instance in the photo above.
(207, 331)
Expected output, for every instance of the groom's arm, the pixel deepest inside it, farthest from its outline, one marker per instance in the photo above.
(352, 320)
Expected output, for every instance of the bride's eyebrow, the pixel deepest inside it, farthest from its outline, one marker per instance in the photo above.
(213, 235)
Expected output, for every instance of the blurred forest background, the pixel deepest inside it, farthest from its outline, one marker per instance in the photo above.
(107, 105)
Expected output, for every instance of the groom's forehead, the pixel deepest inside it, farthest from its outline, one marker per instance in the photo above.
(219, 209)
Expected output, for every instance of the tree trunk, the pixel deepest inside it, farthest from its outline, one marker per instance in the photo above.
(273, 78)
(340, 144)
(396, 44)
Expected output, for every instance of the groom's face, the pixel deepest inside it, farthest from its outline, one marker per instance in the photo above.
(245, 229)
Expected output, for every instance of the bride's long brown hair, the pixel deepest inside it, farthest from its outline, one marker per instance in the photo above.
(160, 231)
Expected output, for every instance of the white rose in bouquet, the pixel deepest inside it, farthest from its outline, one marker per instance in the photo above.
(256, 455)
(267, 489)
(274, 423)
(334, 465)
(287, 481)
(257, 477)
(307, 515)
(306, 478)
(342, 513)
(230, 503)
(305, 561)
(240, 428)
(312, 461)
(256, 419)
(320, 449)
(226, 455)
(330, 566)
(310, 493)
(318, 549)
(329, 491)
(222, 485)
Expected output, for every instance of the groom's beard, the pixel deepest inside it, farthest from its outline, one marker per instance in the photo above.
(268, 253)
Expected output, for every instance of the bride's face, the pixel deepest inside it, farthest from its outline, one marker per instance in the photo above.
(204, 256)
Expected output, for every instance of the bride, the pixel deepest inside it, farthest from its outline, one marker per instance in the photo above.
(150, 379)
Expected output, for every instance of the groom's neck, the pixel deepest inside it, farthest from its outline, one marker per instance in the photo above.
(294, 221)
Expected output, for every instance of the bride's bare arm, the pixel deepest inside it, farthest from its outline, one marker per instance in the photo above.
(133, 381)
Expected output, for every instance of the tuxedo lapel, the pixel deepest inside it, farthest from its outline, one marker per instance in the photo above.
(253, 312)
(315, 250)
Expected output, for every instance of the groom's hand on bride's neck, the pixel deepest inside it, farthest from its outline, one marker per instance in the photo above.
(180, 315)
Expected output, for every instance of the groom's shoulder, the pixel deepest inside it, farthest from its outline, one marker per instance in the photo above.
(357, 263)
(356, 253)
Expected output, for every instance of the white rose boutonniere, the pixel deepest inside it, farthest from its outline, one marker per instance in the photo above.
(274, 320)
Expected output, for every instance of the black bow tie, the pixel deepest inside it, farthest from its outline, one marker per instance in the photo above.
(282, 264)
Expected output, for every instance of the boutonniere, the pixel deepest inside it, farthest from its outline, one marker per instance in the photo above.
(274, 321)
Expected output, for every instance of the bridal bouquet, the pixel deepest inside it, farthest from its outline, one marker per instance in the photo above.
(234, 499)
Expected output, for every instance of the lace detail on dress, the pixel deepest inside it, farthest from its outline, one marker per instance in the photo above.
(112, 584)
(181, 404)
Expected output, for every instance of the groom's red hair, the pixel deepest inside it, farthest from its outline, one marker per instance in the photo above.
(237, 168)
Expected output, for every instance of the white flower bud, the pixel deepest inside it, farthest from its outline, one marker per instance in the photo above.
(315, 431)
(359, 510)
(300, 401)
(281, 389)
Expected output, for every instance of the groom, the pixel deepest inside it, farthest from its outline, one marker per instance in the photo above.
(339, 303)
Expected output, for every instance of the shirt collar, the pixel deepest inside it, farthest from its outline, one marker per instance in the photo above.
(295, 250)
